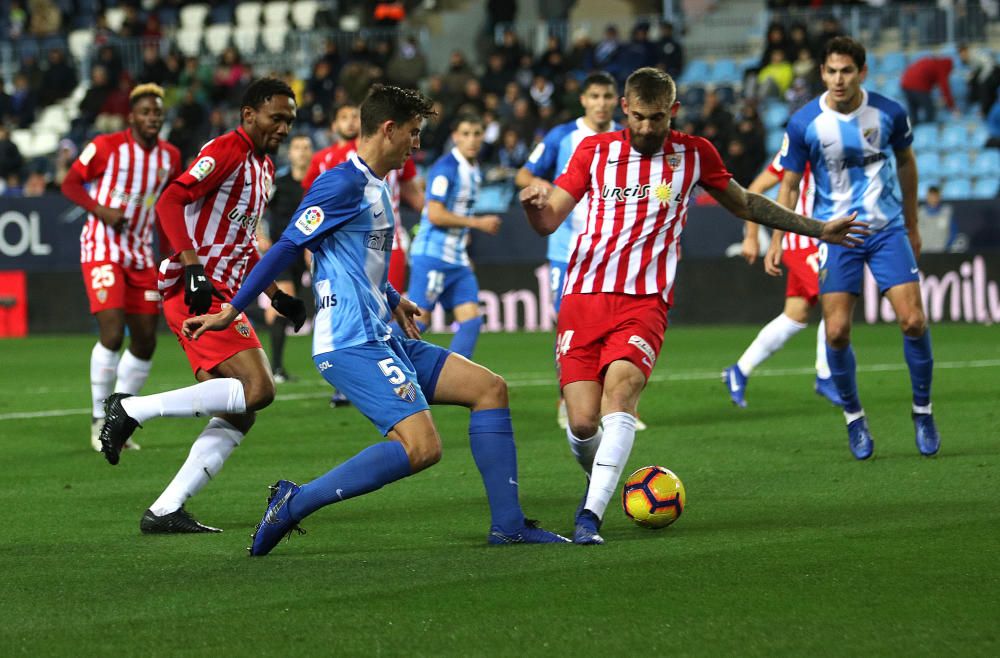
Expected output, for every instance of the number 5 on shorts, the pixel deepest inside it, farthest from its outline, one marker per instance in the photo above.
(392, 371)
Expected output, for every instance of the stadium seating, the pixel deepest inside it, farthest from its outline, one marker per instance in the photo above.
(957, 188)
(954, 136)
(273, 38)
(248, 14)
(986, 188)
(115, 17)
(193, 17)
(245, 39)
(925, 136)
(928, 164)
(304, 13)
(955, 165)
(988, 163)
(189, 41)
(276, 13)
(217, 38)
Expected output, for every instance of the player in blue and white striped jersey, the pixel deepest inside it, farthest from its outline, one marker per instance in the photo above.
(858, 144)
(440, 272)
(346, 219)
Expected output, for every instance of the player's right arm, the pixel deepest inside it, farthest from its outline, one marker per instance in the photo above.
(441, 192)
(91, 163)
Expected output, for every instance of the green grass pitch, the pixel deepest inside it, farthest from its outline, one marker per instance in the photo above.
(788, 546)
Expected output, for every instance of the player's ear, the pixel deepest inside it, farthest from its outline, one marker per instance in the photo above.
(624, 104)
(674, 109)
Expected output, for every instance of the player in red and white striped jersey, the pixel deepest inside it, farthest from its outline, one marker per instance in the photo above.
(621, 273)
(209, 215)
(800, 254)
(126, 172)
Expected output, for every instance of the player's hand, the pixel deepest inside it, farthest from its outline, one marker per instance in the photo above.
(489, 224)
(292, 308)
(915, 241)
(405, 315)
(750, 249)
(845, 231)
(196, 326)
(198, 290)
(535, 196)
(113, 217)
(772, 259)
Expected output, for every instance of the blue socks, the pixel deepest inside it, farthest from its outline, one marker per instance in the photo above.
(920, 360)
(367, 471)
(464, 342)
(843, 369)
(491, 437)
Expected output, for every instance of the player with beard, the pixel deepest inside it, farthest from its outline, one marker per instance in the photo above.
(619, 286)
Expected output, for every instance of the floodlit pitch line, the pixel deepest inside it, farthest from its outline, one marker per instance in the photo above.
(550, 381)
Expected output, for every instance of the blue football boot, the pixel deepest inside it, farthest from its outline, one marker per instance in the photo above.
(587, 531)
(828, 389)
(928, 439)
(277, 522)
(860, 438)
(736, 384)
(529, 533)
(338, 399)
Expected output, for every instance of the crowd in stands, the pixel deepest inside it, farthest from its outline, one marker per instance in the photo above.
(519, 93)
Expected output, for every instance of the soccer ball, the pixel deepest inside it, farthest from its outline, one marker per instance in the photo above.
(653, 497)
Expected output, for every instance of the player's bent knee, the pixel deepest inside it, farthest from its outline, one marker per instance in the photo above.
(242, 422)
(494, 392)
(913, 324)
(583, 429)
(259, 393)
(423, 453)
(112, 340)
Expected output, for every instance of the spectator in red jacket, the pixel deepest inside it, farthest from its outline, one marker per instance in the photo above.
(919, 80)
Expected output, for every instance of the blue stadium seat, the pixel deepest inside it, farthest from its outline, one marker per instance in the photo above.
(925, 137)
(695, 71)
(775, 115)
(957, 188)
(892, 64)
(988, 163)
(978, 135)
(954, 136)
(774, 138)
(986, 188)
(955, 165)
(928, 164)
(726, 94)
(693, 97)
(726, 70)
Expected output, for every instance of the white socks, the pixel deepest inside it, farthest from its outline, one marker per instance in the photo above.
(770, 339)
(610, 460)
(208, 454)
(103, 367)
(822, 367)
(584, 449)
(132, 373)
(209, 398)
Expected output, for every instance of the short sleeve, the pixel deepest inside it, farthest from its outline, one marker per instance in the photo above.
(902, 132)
(332, 201)
(713, 173)
(214, 163)
(775, 167)
(576, 178)
(542, 161)
(93, 159)
(439, 184)
(794, 150)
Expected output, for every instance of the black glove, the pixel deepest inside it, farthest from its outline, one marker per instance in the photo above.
(198, 290)
(292, 308)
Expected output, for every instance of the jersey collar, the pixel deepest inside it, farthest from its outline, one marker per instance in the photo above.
(363, 166)
(826, 108)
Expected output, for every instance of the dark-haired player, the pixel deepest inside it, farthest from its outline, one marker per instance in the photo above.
(209, 215)
(126, 172)
(346, 219)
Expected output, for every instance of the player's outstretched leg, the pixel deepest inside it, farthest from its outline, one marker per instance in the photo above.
(124, 413)
(824, 382)
(736, 384)
(771, 338)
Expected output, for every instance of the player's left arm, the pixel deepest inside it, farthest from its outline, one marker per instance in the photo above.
(906, 170)
(412, 193)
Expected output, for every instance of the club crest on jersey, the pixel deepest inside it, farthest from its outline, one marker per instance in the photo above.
(243, 329)
(674, 161)
(379, 240)
(202, 168)
(871, 135)
(162, 173)
(407, 392)
(309, 220)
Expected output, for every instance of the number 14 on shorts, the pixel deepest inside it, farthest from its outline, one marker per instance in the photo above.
(563, 341)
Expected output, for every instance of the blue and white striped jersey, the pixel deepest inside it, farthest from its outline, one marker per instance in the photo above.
(454, 181)
(547, 161)
(346, 220)
(852, 157)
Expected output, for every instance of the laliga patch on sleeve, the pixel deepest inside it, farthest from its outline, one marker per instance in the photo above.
(309, 220)
(537, 153)
(784, 145)
(439, 187)
(202, 168)
(88, 154)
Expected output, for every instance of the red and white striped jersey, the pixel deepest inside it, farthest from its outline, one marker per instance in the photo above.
(638, 208)
(230, 185)
(123, 174)
(334, 155)
(803, 206)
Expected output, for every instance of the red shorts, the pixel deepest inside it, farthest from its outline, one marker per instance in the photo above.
(803, 274)
(111, 286)
(596, 329)
(212, 347)
(397, 269)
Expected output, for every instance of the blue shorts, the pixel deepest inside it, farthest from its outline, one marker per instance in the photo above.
(433, 281)
(888, 254)
(387, 381)
(557, 279)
